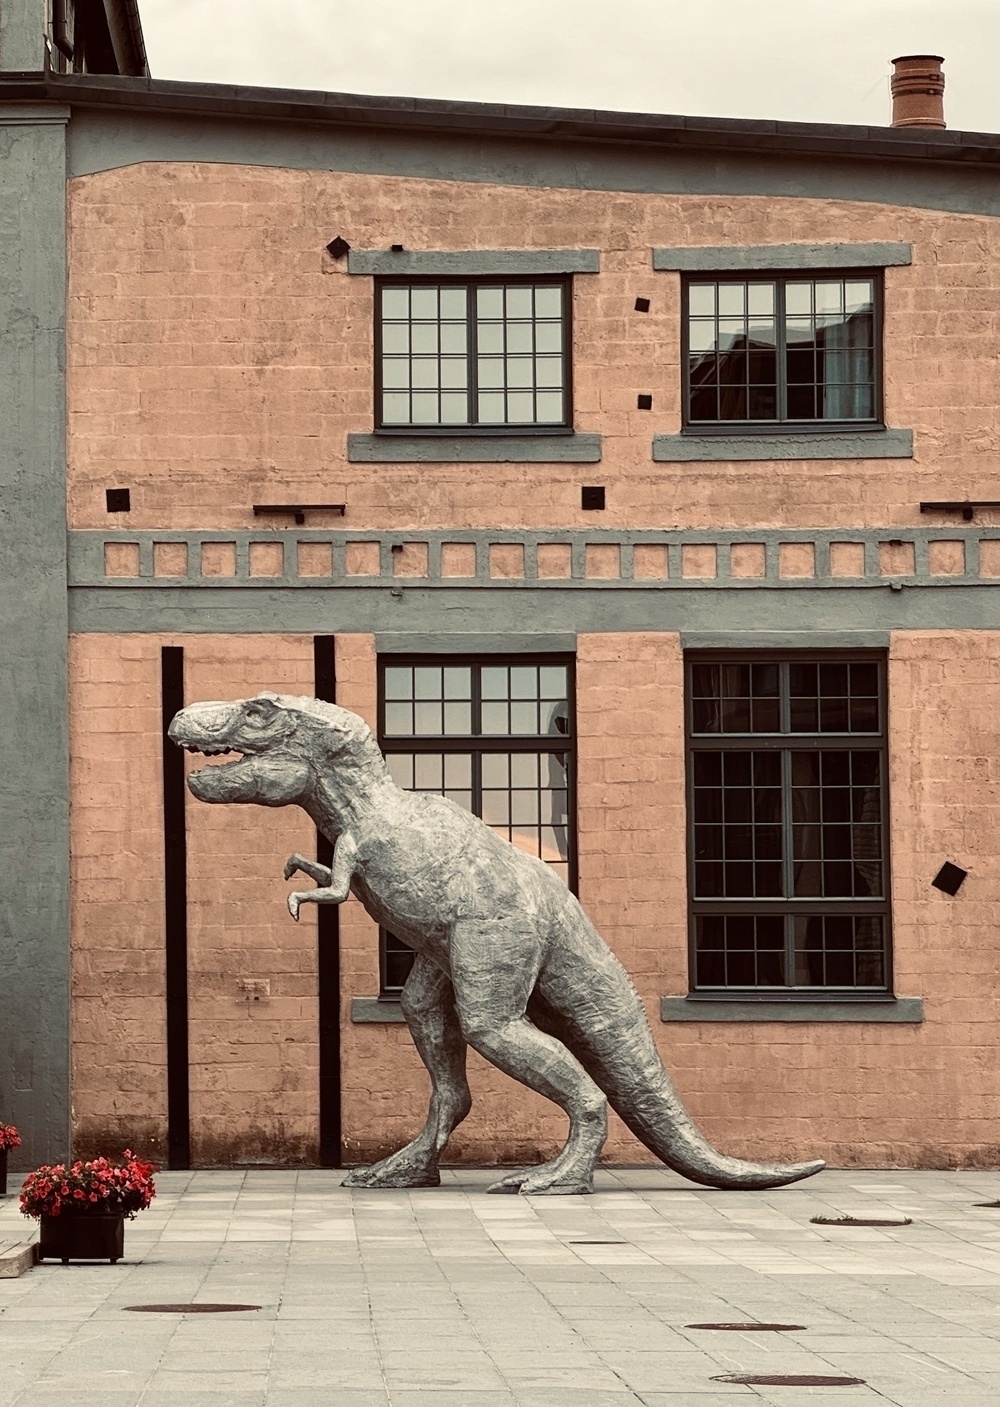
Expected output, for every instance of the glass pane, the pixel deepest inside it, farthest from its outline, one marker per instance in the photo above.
(399, 682)
(400, 766)
(701, 336)
(798, 298)
(489, 337)
(396, 303)
(424, 373)
(489, 302)
(398, 719)
(427, 719)
(454, 408)
(428, 771)
(424, 303)
(495, 717)
(858, 295)
(453, 337)
(458, 718)
(457, 770)
(548, 301)
(701, 299)
(519, 302)
(427, 682)
(520, 371)
(453, 302)
(520, 408)
(395, 372)
(732, 299)
(424, 337)
(548, 371)
(760, 299)
(395, 409)
(519, 338)
(548, 337)
(495, 681)
(549, 407)
(491, 408)
(396, 338)
(454, 373)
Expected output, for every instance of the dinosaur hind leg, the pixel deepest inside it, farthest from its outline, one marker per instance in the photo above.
(493, 981)
(429, 1007)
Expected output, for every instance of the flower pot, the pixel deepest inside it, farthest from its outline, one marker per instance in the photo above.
(88, 1236)
(3, 1172)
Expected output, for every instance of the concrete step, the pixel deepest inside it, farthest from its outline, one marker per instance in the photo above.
(16, 1257)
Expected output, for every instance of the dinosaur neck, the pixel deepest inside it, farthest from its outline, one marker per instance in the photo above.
(345, 795)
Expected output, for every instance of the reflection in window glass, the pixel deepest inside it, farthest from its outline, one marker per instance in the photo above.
(781, 349)
(794, 820)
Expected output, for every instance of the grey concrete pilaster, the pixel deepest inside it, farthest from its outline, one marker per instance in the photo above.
(34, 784)
(22, 36)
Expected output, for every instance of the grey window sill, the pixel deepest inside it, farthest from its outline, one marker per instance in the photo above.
(369, 1011)
(471, 263)
(907, 1010)
(721, 259)
(474, 449)
(836, 444)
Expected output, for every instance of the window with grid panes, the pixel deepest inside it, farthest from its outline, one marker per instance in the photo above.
(483, 354)
(788, 866)
(783, 349)
(494, 735)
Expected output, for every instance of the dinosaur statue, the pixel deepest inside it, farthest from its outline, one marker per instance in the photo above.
(507, 960)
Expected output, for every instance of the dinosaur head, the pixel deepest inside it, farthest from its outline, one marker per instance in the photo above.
(283, 743)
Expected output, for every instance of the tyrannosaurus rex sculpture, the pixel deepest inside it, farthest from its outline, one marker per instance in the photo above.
(507, 961)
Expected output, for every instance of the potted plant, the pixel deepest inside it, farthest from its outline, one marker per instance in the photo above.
(82, 1208)
(9, 1138)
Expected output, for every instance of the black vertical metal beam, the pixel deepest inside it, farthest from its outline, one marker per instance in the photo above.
(175, 914)
(328, 959)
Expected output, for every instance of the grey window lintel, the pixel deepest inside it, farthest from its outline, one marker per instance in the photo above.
(784, 639)
(907, 1010)
(828, 444)
(466, 643)
(474, 262)
(726, 258)
(473, 449)
(372, 1012)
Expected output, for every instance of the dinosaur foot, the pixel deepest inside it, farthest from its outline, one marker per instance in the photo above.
(395, 1171)
(545, 1181)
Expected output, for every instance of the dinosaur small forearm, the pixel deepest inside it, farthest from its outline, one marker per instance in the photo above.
(338, 885)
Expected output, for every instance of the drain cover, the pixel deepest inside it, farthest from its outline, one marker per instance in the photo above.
(748, 1328)
(189, 1308)
(861, 1221)
(787, 1380)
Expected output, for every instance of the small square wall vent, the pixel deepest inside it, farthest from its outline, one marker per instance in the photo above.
(118, 500)
(592, 496)
(949, 878)
(642, 305)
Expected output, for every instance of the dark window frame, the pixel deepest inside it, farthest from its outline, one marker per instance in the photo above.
(780, 426)
(787, 742)
(471, 282)
(478, 743)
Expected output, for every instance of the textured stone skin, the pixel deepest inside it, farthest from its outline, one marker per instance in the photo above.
(508, 962)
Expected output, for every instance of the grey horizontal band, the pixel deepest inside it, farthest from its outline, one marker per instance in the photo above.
(369, 1011)
(908, 1010)
(784, 639)
(835, 444)
(464, 643)
(474, 262)
(722, 258)
(474, 449)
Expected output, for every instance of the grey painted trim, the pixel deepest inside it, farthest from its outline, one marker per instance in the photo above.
(729, 449)
(499, 614)
(719, 258)
(34, 748)
(908, 1010)
(473, 449)
(87, 559)
(785, 640)
(473, 262)
(22, 35)
(545, 154)
(464, 643)
(33, 114)
(369, 1011)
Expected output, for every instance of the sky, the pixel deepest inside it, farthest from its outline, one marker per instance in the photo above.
(790, 60)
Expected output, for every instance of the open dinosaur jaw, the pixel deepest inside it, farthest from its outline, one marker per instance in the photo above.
(220, 782)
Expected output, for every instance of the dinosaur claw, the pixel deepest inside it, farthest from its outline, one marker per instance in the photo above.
(293, 905)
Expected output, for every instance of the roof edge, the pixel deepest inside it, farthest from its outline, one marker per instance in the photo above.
(513, 120)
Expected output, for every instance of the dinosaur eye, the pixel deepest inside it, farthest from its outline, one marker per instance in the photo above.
(259, 713)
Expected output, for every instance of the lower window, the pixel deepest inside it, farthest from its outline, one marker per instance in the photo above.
(788, 864)
(495, 736)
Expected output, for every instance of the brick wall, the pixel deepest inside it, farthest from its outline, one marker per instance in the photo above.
(218, 356)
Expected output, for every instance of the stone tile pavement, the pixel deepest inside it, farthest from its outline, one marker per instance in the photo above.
(449, 1297)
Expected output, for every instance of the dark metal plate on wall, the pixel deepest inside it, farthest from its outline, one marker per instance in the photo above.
(189, 1308)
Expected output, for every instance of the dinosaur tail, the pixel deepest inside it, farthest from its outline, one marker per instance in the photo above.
(610, 1036)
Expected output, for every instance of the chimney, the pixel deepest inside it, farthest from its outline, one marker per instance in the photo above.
(918, 91)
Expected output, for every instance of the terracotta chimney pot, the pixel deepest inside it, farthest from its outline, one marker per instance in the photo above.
(918, 91)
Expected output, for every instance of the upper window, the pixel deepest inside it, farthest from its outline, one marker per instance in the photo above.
(782, 349)
(475, 353)
(787, 796)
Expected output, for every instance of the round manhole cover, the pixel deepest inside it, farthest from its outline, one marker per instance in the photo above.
(749, 1328)
(189, 1308)
(861, 1221)
(787, 1380)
